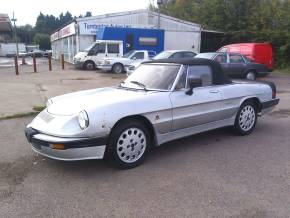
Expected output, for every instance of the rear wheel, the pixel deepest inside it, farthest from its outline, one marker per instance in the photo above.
(118, 68)
(128, 144)
(251, 75)
(89, 65)
(246, 118)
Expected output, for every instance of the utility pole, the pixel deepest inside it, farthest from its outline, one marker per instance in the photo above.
(159, 2)
(15, 35)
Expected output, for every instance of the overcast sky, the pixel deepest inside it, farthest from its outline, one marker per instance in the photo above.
(26, 11)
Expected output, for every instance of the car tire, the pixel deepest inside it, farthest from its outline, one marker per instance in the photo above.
(89, 65)
(118, 68)
(251, 75)
(246, 118)
(128, 144)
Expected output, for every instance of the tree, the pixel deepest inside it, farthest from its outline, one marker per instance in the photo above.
(88, 14)
(43, 40)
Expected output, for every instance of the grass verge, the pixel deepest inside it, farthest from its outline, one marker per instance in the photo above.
(20, 115)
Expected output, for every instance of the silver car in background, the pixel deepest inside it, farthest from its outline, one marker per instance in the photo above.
(161, 101)
(168, 54)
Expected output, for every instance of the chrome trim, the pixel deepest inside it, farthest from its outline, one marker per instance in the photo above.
(49, 138)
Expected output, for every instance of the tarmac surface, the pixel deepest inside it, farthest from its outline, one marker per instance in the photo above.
(213, 174)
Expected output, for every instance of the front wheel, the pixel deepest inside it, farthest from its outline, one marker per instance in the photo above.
(128, 144)
(118, 68)
(89, 65)
(246, 118)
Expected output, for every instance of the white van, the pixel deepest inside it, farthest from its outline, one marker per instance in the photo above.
(100, 49)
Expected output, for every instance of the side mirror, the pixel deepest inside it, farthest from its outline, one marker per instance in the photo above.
(134, 58)
(193, 83)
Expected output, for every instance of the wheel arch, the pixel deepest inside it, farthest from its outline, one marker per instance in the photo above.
(255, 100)
(140, 118)
(116, 64)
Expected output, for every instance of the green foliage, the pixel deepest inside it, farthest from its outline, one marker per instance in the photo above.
(43, 40)
(243, 20)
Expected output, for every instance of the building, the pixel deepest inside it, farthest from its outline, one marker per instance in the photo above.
(76, 36)
(6, 30)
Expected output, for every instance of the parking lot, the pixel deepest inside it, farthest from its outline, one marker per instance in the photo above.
(214, 174)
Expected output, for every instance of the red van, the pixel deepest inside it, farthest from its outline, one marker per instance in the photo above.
(257, 52)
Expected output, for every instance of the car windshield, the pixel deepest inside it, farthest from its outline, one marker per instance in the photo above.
(205, 55)
(153, 77)
(127, 55)
(162, 55)
(90, 47)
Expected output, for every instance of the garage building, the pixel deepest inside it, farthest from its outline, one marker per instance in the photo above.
(76, 36)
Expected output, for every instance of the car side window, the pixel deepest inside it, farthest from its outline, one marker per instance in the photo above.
(138, 56)
(113, 48)
(221, 58)
(188, 54)
(236, 59)
(202, 72)
(98, 48)
(176, 55)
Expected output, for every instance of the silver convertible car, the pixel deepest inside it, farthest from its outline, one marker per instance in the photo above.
(161, 101)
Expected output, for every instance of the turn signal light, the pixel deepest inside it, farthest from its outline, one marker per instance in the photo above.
(57, 146)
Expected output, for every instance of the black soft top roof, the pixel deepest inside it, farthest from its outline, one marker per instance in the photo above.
(219, 76)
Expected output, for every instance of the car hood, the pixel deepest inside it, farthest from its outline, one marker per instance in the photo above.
(73, 103)
(80, 55)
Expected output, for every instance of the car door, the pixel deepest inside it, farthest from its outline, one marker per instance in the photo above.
(97, 52)
(236, 66)
(202, 107)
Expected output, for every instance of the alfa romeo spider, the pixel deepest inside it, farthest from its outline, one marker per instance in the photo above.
(162, 100)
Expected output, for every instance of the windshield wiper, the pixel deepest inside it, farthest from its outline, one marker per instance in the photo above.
(139, 84)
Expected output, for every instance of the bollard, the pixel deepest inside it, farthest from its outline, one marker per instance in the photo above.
(62, 61)
(49, 63)
(34, 64)
(16, 65)
(23, 61)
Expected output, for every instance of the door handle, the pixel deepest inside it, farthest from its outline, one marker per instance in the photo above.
(214, 91)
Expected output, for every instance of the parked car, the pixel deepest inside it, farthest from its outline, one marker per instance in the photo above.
(36, 52)
(47, 53)
(257, 52)
(173, 99)
(100, 49)
(236, 65)
(20, 54)
(118, 65)
(170, 54)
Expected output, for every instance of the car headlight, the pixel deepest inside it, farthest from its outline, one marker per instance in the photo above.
(49, 102)
(83, 119)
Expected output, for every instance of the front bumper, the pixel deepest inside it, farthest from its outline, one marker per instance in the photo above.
(74, 148)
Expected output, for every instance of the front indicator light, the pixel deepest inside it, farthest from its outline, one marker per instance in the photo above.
(57, 146)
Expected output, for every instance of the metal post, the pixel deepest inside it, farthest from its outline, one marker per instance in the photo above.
(49, 63)
(23, 61)
(62, 61)
(34, 64)
(16, 65)
(15, 35)
(159, 2)
(158, 25)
